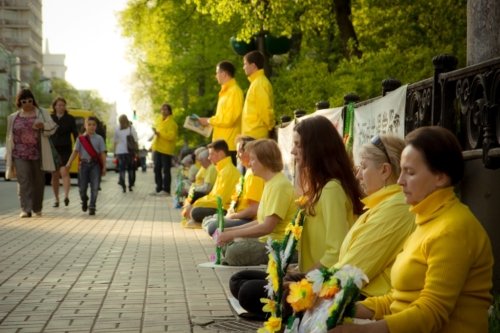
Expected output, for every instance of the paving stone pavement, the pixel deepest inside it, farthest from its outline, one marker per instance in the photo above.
(130, 268)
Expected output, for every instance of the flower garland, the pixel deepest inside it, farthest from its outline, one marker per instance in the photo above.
(280, 255)
(220, 228)
(235, 198)
(327, 296)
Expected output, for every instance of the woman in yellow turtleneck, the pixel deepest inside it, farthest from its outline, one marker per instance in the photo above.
(441, 281)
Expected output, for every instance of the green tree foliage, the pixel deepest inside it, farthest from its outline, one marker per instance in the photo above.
(176, 49)
(339, 46)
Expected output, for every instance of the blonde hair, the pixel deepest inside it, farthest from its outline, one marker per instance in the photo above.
(394, 147)
(267, 152)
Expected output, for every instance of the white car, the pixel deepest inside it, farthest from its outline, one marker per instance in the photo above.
(111, 162)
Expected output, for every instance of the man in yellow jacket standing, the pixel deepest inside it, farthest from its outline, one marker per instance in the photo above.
(258, 113)
(163, 146)
(227, 120)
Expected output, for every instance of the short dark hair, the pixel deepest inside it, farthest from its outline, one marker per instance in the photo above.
(255, 57)
(219, 145)
(168, 106)
(441, 151)
(227, 67)
(92, 118)
(25, 94)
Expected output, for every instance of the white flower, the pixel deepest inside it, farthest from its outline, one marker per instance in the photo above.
(316, 277)
(353, 273)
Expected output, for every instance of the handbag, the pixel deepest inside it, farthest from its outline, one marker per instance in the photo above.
(132, 146)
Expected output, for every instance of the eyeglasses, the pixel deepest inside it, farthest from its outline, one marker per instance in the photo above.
(377, 142)
(28, 100)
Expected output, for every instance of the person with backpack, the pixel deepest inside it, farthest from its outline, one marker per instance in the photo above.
(91, 150)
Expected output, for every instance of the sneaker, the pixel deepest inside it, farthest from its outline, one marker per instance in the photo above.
(25, 214)
(56, 204)
(84, 206)
(92, 211)
(66, 201)
(38, 214)
(163, 194)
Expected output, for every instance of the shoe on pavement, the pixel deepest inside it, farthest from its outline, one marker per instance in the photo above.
(192, 225)
(91, 211)
(25, 214)
(66, 201)
(56, 204)
(84, 205)
(38, 214)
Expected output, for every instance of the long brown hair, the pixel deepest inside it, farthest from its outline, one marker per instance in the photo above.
(324, 158)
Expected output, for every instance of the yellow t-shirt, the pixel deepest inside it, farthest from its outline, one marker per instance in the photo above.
(322, 234)
(227, 178)
(164, 140)
(252, 190)
(278, 198)
(210, 175)
(377, 237)
(258, 112)
(227, 120)
(200, 176)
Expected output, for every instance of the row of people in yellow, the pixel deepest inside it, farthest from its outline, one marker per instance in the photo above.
(253, 116)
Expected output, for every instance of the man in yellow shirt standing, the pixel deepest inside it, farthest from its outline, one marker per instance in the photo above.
(227, 178)
(163, 146)
(258, 113)
(227, 120)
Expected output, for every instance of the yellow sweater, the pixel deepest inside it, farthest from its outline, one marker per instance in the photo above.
(377, 237)
(227, 119)
(258, 114)
(227, 178)
(442, 279)
(164, 141)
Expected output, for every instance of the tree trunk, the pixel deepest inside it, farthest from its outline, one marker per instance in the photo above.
(346, 29)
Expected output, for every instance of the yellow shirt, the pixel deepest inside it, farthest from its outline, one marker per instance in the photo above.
(377, 237)
(322, 234)
(227, 120)
(258, 113)
(210, 175)
(252, 190)
(227, 178)
(200, 176)
(278, 198)
(442, 279)
(164, 140)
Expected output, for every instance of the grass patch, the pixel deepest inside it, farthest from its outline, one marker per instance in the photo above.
(494, 315)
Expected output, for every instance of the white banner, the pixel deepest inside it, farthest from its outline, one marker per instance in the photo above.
(285, 136)
(382, 116)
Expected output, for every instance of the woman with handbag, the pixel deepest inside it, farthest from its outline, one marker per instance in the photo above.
(125, 148)
(63, 145)
(28, 151)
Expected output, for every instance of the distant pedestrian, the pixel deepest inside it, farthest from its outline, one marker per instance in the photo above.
(28, 151)
(257, 119)
(63, 145)
(92, 153)
(126, 158)
(163, 146)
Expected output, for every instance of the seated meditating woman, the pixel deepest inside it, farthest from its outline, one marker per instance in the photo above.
(246, 197)
(441, 281)
(331, 193)
(246, 244)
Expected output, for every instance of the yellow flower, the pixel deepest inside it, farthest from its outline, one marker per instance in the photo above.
(329, 289)
(296, 230)
(272, 325)
(269, 305)
(301, 201)
(301, 296)
(272, 271)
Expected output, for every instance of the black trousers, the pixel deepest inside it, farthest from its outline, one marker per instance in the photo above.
(248, 287)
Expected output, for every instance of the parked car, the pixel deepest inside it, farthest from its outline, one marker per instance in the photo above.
(2, 161)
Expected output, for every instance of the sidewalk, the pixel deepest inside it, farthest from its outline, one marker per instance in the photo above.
(130, 268)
